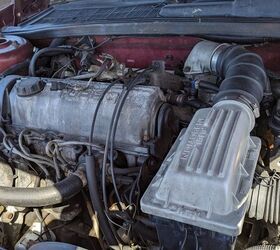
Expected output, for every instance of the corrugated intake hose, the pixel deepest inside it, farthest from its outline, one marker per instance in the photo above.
(43, 196)
(244, 74)
(264, 247)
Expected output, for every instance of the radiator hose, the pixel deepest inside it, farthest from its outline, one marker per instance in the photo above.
(244, 74)
(44, 196)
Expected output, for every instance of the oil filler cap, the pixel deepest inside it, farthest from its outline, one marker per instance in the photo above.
(29, 87)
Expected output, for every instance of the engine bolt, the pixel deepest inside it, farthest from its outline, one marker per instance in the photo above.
(7, 217)
(10, 216)
(146, 136)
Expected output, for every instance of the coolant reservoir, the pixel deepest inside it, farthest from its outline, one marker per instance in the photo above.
(13, 50)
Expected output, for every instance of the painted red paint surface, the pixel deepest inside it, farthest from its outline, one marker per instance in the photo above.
(13, 50)
(139, 52)
(270, 53)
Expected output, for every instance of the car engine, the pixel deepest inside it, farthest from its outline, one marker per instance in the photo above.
(101, 155)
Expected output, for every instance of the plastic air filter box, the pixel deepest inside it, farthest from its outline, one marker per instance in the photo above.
(207, 175)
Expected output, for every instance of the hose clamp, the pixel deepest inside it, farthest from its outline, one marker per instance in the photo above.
(80, 172)
(215, 56)
(252, 105)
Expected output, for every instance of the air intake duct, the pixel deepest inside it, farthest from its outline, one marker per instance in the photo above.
(206, 177)
(244, 75)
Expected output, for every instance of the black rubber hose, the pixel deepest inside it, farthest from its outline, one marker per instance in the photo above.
(145, 232)
(197, 104)
(57, 42)
(46, 52)
(96, 202)
(208, 86)
(96, 113)
(113, 129)
(125, 171)
(41, 196)
(244, 76)
(238, 39)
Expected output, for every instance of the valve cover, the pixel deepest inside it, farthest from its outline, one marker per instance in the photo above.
(67, 107)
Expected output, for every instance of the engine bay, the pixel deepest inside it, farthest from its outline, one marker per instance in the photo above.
(102, 148)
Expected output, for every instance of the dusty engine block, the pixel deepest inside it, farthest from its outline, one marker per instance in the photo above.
(67, 107)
